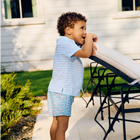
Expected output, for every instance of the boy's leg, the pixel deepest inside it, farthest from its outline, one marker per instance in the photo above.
(62, 127)
(53, 129)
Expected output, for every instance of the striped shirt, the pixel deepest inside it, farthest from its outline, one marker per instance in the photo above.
(68, 70)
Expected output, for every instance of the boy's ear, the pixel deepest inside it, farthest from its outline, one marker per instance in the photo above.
(68, 31)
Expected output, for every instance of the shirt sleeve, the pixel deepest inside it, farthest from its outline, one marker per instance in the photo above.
(70, 48)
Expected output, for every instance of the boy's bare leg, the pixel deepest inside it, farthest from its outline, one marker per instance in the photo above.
(53, 129)
(62, 127)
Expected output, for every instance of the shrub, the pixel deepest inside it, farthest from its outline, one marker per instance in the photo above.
(16, 101)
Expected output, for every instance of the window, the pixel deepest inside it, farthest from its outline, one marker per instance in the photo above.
(20, 8)
(126, 8)
(128, 5)
(20, 12)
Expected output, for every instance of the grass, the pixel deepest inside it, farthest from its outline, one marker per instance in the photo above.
(40, 80)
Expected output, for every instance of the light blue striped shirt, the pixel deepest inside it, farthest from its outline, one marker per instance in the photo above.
(68, 70)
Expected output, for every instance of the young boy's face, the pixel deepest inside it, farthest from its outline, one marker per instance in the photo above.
(78, 33)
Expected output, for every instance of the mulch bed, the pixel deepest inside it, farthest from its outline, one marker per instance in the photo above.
(23, 130)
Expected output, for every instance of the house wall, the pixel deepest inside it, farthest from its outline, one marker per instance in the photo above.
(31, 47)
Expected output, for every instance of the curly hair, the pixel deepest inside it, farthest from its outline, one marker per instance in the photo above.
(68, 20)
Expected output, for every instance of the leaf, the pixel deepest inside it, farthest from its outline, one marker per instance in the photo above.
(16, 101)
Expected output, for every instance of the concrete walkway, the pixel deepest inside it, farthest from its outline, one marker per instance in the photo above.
(82, 125)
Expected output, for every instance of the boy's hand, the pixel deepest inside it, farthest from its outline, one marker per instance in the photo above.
(94, 48)
(95, 38)
(89, 46)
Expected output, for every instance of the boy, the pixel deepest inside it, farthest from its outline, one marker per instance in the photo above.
(68, 70)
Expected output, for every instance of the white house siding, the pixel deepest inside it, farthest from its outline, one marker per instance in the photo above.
(32, 47)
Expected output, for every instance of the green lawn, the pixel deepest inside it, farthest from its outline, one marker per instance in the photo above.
(40, 80)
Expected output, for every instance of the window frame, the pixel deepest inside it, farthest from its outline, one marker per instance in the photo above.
(124, 14)
(23, 21)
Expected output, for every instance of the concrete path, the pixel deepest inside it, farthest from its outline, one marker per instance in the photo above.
(82, 125)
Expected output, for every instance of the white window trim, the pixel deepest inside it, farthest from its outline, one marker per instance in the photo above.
(23, 21)
(124, 14)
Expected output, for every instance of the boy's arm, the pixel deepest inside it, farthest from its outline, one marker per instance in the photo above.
(89, 47)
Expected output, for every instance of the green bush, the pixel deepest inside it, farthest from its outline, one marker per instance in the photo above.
(16, 101)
